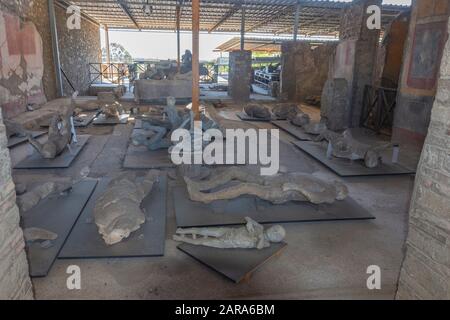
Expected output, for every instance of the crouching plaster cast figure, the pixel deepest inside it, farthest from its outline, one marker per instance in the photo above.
(303, 120)
(117, 212)
(59, 133)
(257, 111)
(276, 189)
(251, 236)
(345, 146)
(285, 110)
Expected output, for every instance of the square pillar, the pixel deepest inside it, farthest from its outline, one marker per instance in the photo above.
(240, 75)
(352, 69)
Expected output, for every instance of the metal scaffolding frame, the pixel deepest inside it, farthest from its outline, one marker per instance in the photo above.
(316, 18)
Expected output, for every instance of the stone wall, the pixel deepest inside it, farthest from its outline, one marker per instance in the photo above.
(420, 71)
(240, 75)
(304, 69)
(77, 48)
(425, 272)
(15, 282)
(27, 74)
(354, 62)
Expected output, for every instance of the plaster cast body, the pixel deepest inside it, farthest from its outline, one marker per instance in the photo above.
(59, 133)
(252, 236)
(257, 111)
(303, 120)
(158, 131)
(345, 146)
(285, 110)
(277, 189)
(117, 212)
(38, 234)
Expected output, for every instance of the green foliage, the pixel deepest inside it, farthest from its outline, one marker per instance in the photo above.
(118, 54)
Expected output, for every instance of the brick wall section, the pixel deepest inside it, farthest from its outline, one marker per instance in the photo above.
(240, 74)
(425, 272)
(77, 49)
(304, 69)
(15, 282)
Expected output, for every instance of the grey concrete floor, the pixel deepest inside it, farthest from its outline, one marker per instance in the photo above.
(326, 260)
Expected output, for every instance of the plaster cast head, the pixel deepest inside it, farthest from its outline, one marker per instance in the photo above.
(275, 234)
(171, 101)
(341, 190)
(372, 159)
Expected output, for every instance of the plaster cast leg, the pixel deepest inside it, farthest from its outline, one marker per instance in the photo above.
(224, 177)
(269, 193)
(208, 232)
(208, 242)
(157, 141)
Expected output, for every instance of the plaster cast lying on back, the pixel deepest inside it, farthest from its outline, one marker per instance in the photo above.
(277, 189)
(251, 236)
(59, 133)
(117, 213)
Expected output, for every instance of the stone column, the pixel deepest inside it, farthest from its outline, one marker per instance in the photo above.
(352, 67)
(240, 75)
(15, 282)
(425, 271)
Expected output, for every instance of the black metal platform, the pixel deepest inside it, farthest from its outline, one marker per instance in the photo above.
(58, 215)
(85, 242)
(232, 212)
(64, 160)
(235, 264)
(349, 168)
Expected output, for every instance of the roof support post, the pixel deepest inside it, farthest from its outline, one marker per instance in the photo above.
(296, 20)
(178, 14)
(56, 59)
(108, 50)
(242, 28)
(195, 59)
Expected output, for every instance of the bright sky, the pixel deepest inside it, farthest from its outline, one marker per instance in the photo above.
(163, 45)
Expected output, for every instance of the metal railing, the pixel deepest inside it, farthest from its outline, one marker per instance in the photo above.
(115, 73)
(378, 108)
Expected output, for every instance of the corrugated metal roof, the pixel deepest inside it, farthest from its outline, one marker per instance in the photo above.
(317, 17)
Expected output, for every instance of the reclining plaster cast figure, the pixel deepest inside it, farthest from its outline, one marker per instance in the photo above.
(157, 131)
(252, 236)
(345, 146)
(285, 110)
(257, 111)
(117, 212)
(276, 189)
(59, 133)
